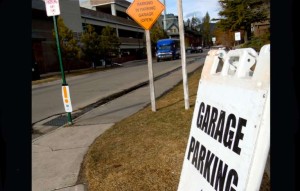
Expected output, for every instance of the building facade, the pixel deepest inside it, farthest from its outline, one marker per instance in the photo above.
(192, 37)
(76, 16)
(98, 13)
(113, 13)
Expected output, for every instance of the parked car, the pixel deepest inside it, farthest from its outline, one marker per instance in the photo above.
(191, 50)
(102, 62)
(199, 49)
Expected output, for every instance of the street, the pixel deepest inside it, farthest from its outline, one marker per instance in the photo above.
(89, 88)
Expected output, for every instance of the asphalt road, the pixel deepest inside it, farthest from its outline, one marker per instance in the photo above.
(89, 88)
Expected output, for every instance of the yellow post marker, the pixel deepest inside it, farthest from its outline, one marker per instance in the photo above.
(66, 99)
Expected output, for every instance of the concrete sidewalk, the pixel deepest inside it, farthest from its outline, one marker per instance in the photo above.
(57, 156)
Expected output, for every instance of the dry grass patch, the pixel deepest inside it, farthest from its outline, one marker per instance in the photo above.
(144, 152)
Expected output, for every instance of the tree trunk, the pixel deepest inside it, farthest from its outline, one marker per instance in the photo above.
(245, 37)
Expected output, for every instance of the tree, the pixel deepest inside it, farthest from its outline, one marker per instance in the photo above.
(196, 24)
(206, 31)
(90, 44)
(96, 47)
(110, 42)
(156, 33)
(225, 38)
(68, 44)
(240, 14)
(188, 23)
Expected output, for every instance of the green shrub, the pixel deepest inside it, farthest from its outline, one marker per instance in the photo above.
(257, 42)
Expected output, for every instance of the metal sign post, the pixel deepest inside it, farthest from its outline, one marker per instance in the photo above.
(52, 9)
(64, 83)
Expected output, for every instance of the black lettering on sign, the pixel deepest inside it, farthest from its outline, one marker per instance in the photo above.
(195, 156)
(200, 116)
(146, 20)
(221, 175)
(212, 123)
(212, 169)
(209, 158)
(220, 127)
(144, 3)
(232, 177)
(213, 174)
(201, 158)
(228, 134)
(147, 8)
(239, 135)
(146, 14)
(192, 144)
(224, 129)
(206, 118)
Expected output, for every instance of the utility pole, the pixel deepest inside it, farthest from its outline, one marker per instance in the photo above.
(165, 12)
(150, 69)
(183, 56)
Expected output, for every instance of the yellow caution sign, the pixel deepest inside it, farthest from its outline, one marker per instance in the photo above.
(145, 12)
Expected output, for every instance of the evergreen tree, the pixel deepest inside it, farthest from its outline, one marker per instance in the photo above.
(196, 24)
(206, 31)
(110, 43)
(240, 14)
(68, 44)
(187, 23)
(156, 33)
(90, 45)
(225, 38)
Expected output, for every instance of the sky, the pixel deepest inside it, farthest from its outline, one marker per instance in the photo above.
(197, 8)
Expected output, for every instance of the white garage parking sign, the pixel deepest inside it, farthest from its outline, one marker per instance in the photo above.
(229, 138)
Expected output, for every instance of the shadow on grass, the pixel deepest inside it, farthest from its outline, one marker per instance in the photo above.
(176, 102)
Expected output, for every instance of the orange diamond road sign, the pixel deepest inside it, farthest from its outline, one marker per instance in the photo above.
(145, 12)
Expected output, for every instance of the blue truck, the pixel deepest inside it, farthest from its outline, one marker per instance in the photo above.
(167, 49)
